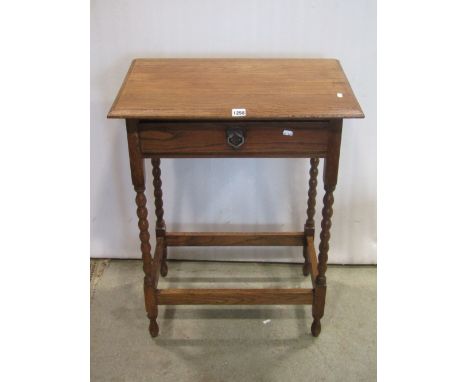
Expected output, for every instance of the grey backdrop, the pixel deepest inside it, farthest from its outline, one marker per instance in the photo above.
(233, 194)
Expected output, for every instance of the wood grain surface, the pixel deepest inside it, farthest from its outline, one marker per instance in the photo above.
(209, 139)
(268, 89)
(292, 296)
(209, 239)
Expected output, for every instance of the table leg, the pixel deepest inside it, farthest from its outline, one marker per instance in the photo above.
(309, 227)
(321, 281)
(137, 167)
(160, 224)
(330, 175)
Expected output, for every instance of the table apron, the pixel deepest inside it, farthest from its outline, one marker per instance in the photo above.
(209, 139)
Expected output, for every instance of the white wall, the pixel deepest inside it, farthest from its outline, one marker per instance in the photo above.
(233, 194)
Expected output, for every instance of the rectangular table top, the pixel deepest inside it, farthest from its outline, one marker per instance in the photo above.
(209, 89)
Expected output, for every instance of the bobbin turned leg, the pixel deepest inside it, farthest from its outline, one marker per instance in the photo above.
(137, 167)
(321, 281)
(309, 227)
(330, 175)
(160, 224)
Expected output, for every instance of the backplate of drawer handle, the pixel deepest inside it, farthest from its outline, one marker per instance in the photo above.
(235, 137)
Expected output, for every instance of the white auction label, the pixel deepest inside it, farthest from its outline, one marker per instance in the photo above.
(239, 112)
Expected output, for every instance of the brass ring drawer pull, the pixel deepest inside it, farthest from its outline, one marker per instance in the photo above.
(235, 137)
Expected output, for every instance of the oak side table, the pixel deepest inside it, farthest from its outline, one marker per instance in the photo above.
(237, 108)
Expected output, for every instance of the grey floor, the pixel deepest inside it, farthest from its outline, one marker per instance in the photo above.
(233, 343)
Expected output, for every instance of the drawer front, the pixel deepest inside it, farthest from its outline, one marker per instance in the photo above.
(247, 139)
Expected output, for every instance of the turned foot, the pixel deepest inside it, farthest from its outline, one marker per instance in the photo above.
(164, 268)
(315, 328)
(153, 327)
